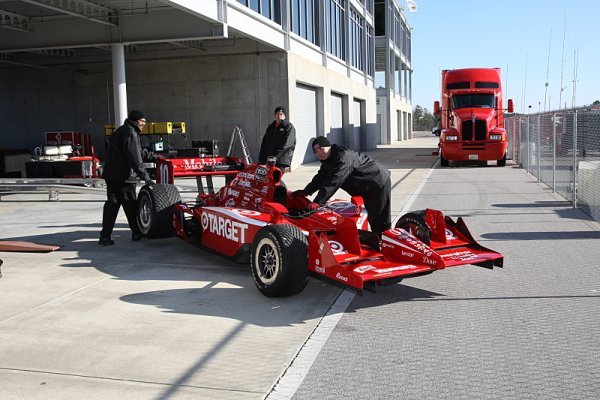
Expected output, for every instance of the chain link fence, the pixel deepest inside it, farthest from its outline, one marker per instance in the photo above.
(561, 149)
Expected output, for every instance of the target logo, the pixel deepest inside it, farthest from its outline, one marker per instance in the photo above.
(204, 221)
(337, 248)
(247, 213)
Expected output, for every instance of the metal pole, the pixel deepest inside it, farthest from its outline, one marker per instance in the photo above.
(527, 141)
(575, 159)
(554, 153)
(539, 148)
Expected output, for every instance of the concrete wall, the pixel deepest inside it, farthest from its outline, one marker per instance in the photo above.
(327, 80)
(211, 94)
(400, 129)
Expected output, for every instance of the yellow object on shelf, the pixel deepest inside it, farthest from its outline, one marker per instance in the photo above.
(153, 128)
(167, 128)
(108, 130)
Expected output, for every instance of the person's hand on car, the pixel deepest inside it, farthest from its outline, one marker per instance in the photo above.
(313, 206)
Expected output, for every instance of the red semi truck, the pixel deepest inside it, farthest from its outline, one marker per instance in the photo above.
(471, 116)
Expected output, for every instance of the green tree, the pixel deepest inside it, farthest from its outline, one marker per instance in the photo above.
(423, 120)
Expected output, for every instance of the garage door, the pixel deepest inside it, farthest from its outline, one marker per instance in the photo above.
(356, 145)
(336, 132)
(306, 124)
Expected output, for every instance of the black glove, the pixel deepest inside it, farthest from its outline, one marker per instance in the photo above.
(150, 182)
(299, 193)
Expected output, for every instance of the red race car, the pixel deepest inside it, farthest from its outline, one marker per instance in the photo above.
(254, 218)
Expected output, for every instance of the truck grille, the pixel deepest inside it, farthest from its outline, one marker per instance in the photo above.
(480, 130)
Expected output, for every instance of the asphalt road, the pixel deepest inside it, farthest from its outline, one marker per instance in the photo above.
(528, 331)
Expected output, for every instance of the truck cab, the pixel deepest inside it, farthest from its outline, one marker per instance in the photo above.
(471, 116)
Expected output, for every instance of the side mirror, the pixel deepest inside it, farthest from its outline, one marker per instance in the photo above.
(436, 108)
(510, 106)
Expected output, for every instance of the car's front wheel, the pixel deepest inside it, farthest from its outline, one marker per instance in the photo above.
(279, 260)
(415, 224)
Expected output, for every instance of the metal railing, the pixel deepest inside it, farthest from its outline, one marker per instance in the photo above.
(562, 149)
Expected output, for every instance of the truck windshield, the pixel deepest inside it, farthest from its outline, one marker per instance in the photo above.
(473, 100)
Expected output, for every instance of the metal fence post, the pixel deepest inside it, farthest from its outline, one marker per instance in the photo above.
(527, 141)
(514, 136)
(554, 153)
(575, 159)
(539, 147)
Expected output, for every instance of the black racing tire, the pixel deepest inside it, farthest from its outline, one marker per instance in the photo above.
(156, 205)
(502, 161)
(414, 223)
(443, 161)
(279, 261)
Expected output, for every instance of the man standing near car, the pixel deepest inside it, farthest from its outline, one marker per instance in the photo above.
(279, 141)
(123, 163)
(357, 174)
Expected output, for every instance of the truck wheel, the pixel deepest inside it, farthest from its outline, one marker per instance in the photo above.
(155, 210)
(279, 260)
(443, 161)
(414, 223)
(502, 161)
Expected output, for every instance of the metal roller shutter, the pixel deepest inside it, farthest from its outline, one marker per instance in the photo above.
(356, 145)
(336, 132)
(306, 125)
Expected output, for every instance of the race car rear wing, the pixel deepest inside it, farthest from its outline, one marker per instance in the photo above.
(167, 169)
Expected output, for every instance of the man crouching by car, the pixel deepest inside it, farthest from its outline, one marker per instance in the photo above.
(357, 174)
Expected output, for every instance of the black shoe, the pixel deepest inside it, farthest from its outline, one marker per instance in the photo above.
(106, 241)
(136, 237)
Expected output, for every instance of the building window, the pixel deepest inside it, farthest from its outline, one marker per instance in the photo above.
(336, 14)
(369, 6)
(268, 8)
(370, 53)
(357, 38)
(305, 20)
(379, 18)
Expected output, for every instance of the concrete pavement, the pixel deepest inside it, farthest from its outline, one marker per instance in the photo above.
(154, 319)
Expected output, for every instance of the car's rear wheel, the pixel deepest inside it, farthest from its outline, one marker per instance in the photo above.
(415, 224)
(279, 260)
(155, 210)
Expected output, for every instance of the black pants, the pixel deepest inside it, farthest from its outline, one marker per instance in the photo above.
(379, 207)
(119, 194)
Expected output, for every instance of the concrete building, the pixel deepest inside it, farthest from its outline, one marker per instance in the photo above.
(76, 65)
(393, 72)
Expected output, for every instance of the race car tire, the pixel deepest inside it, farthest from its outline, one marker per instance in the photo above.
(279, 260)
(156, 205)
(502, 161)
(414, 223)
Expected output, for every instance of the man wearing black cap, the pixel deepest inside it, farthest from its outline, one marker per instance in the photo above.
(357, 174)
(279, 141)
(123, 163)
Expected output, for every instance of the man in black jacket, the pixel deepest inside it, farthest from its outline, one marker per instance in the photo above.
(357, 174)
(123, 163)
(279, 141)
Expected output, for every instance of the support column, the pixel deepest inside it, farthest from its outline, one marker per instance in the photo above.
(119, 82)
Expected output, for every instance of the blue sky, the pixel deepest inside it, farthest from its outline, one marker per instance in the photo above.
(515, 36)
